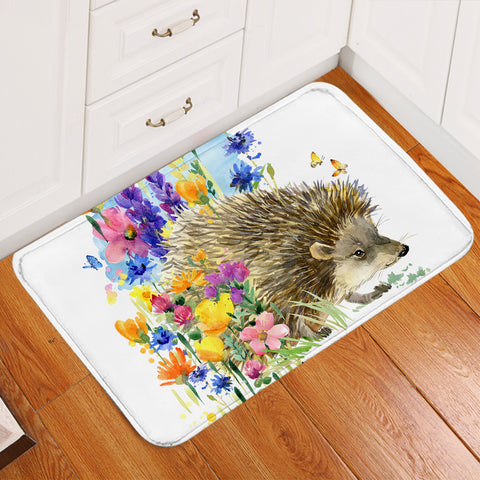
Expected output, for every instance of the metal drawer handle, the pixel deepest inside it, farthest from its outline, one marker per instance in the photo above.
(171, 117)
(179, 27)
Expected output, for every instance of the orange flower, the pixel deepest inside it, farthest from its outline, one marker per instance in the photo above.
(192, 190)
(187, 279)
(201, 255)
(132, 329)
(176, 370)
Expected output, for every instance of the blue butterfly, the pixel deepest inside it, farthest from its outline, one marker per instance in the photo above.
(93, 263)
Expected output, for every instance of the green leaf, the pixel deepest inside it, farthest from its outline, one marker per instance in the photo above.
(267, 380)
(235, 369)
(258, 383)
(187, 345)
(275, 376)
(95, 225)
(393, 278)
(277, 310)
(182, 403)
(195, 334)
(239, 394)
(270, 170)
(191, 262)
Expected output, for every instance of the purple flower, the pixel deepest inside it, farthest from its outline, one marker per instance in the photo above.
(215, 279)
(236, 295)
(239, 143)
(210, 291)
(227, 270)
(243, 176)
(240, 272)
(124, 199)
(170, 200)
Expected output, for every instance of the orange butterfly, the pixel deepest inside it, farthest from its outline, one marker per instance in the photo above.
(340, 167)
(316, 160)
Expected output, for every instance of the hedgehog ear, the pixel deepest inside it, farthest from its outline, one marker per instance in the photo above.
(321, 251)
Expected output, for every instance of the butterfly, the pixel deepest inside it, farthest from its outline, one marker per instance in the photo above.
(340, 167)
(316, 160)
(93, 263)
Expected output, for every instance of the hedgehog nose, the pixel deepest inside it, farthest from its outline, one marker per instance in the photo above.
(404, 251)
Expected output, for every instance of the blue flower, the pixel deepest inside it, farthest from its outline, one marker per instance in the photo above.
(199, 375)
(243, 176)
(162, 339)
(239, 143)
(140, 269)
(221, 383)
(125, 198)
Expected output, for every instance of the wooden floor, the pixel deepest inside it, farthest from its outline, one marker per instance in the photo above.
(399, 398)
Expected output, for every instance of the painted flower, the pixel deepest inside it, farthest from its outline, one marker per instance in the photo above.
(243, 176)
(239, 143)
(200, 255)
(215, 279)
(176, 370)
(170, 200)
(210, 349)
(221, 384)
(234, 271)
(121, 235)
(194, 191)
(253, 369)
(183, 315)
(199, 375)
(125, 198)
(210, 291)
(264, 334)
(187, 279)
(236, 295)
(139, 268)
(161, 303)
(144, 294)
(214, 316)
(133, 330)
(162, 339)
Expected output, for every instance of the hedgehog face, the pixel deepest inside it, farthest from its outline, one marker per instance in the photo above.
(359, 253)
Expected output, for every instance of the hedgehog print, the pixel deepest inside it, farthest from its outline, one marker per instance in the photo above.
(298, 242)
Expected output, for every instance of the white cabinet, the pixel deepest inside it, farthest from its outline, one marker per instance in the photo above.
(284, 38)
(409, 43)
(461, 116)
(42, 98)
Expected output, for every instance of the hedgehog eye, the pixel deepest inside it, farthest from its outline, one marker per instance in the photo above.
(359, 253)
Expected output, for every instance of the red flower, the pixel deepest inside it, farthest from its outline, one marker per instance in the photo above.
(161, 303)
(183, 314)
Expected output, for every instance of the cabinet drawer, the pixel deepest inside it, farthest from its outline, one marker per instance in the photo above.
(117, 137)
(123, 49)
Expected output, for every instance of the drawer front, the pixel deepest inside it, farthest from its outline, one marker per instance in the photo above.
(123, 48)
(117, 137)
(99, 3)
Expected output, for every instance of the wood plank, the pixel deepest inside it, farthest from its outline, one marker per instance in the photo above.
(457, 274)
(40, 361)
(100, 443)
(45, 460)
(374, 418)
(370, 106)
(434, 338)
(269, 437)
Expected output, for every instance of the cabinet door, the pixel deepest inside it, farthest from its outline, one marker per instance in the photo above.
(284, 39)
(461, 116)
(409, 43)
(42, 98)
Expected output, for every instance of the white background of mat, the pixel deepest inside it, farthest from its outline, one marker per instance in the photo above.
(318, 117)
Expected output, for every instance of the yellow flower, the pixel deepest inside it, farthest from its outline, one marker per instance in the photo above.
(214, 316)
(132, 329)
(187, 279)
(210, 349)
(192, 190)
(144, 294)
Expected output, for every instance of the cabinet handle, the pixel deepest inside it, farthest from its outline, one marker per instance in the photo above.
(171, 117)
(179, 27)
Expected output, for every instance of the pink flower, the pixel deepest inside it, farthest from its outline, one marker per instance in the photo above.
(121, 236)
(264, 334)
(253, 369)
(183, 314)
(161, 303)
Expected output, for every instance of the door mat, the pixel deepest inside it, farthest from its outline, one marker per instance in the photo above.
(195, 288)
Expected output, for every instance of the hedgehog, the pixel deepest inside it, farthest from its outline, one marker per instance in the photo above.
(301, 240)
